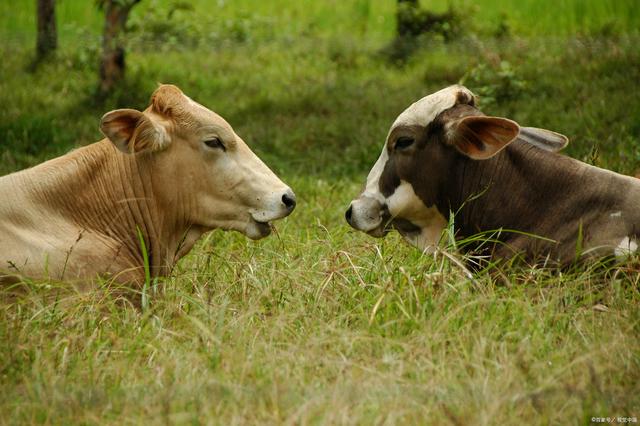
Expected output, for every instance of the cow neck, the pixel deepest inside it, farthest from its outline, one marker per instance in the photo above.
(510, 191)
(110, 196)
(159, 214)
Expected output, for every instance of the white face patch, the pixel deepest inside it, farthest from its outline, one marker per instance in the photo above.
(428, 108)
(626, 247)
(373, 187)
(405, 204)
(616, 214)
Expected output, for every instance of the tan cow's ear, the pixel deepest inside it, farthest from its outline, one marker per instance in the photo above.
(132, 132)
(481, 137)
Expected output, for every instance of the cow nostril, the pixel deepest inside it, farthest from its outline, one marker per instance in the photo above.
(289, 200)
(348, 213)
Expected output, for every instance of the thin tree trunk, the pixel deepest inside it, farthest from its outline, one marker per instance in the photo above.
(47, 35)
(112, 63)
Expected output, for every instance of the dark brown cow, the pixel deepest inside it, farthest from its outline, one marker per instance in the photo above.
(443, 155)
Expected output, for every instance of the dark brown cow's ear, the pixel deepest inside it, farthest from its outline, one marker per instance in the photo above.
(481, 137)
(543, 138)
(132, 132)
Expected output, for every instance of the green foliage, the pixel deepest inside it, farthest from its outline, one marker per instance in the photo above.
(413, 21)
(120, 3)
(495, 83)
(165, 27)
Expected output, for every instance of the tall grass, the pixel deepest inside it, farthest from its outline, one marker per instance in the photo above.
(321, 325)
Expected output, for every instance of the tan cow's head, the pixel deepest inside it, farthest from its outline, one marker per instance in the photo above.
(413, 172)
(200, 168)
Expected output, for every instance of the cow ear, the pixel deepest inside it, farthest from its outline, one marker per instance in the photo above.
(543, 139)
(481, 137)
(132, 131)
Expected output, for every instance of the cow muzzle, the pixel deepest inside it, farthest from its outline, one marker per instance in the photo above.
(368, 215)
(278, 205)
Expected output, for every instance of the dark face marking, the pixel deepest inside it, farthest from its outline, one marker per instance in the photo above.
(406, 227)
(428, 163)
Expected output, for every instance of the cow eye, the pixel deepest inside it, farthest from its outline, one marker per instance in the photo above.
(215, 143)
(404, 142)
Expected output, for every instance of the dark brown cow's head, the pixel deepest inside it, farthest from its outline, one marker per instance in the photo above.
(423, 144)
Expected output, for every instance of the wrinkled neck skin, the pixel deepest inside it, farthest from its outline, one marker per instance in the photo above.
(533, 191)
(106, 198)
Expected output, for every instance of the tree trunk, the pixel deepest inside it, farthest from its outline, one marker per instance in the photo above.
(112, 63)
(47, 36)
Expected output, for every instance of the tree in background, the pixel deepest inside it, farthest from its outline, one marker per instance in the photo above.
(47, 39)
(404, 13)
(112, 61)
(413, 21)
(417, 26)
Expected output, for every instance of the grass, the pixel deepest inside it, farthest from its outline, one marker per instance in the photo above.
(373, 19)
(319, 324)
(323, 326)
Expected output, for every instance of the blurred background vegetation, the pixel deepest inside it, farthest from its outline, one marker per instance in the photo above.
(319, 324)
(314, 85)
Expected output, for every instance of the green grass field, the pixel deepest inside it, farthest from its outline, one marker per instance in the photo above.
(319, 324)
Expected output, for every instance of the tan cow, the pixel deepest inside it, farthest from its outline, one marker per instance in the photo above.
(169, 173)
(443, 155)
